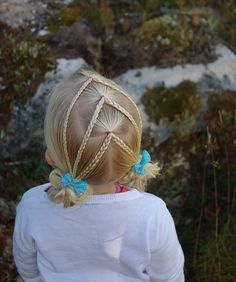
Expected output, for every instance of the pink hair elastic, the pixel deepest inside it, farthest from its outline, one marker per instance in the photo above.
(109, 133)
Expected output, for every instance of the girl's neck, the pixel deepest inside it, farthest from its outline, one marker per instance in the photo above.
(109, 188)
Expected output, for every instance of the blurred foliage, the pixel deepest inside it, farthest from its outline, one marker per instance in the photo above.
(168, 32)
(217, 260)
(24, 62)
(99, 16)
(158, 32)
(198, 182)
(22, 174)
(65, 18)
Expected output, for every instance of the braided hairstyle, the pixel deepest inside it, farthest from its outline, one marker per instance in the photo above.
(93, 130)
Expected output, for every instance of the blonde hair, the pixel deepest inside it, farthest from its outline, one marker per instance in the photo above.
(93, 130)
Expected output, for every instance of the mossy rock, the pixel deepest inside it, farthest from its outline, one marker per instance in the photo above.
(24, 61)
(226, 29)
(188, 37)
(65, 18)
(170, 104)
(98, 16)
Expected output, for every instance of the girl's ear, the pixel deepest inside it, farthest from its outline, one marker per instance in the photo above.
(48, 159)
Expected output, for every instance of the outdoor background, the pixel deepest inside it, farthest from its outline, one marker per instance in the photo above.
(178, 61)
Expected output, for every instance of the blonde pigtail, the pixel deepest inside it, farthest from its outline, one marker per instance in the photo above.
(65, 195)
(133, 179)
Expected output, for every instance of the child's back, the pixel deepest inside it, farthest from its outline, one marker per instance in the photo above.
(117, 235)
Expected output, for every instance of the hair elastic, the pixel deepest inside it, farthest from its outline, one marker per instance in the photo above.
(139, 166)
(79, 187)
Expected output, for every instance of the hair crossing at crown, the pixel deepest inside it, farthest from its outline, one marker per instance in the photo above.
(91, 125)
(117, 88)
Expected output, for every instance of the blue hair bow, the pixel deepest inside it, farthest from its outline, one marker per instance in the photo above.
(79, 187)
(139, 167)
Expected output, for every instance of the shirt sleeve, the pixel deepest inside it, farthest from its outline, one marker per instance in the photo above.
(167, 259)
(24, 250)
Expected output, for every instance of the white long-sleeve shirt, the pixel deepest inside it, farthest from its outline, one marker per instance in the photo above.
(120, 237)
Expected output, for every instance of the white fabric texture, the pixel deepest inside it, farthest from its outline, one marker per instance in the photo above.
(120, 237)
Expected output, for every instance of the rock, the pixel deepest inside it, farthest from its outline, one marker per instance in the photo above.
(16, 13)
(26, 125)
(43, 32)
(122, 53)
(213, 76)
(224, 66)
(78, 32)
(74, 41)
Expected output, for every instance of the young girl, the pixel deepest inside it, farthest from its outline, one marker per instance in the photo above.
(93, 222)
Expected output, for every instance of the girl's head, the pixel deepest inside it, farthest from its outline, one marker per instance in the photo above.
(93, 130)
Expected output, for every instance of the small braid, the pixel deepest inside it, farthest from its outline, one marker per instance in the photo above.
(119, 89)
(121, 143)
(88, 133)
(96, 159)
(86, 83)
(123, 111)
